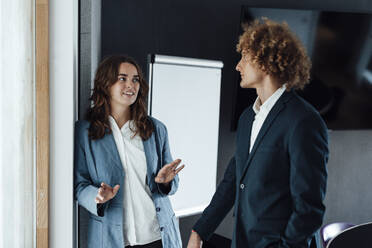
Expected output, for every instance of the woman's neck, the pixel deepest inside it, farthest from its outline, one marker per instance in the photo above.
(121, 115)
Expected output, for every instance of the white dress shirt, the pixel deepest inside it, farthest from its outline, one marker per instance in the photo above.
(139, 218)
(262, 111)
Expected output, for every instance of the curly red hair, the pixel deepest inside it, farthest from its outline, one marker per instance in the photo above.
(276, 50)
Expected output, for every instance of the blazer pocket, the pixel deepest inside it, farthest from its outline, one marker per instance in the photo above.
(95, 233)
(114, 236)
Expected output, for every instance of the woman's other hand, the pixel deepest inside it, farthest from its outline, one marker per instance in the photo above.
(168, 172)
(106, 193)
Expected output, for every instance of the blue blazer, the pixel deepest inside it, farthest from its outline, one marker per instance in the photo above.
(98, 161)
(278, 188)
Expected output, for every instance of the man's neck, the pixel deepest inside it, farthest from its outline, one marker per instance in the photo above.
(267, 89)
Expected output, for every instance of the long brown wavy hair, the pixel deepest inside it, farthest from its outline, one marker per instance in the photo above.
(98, 114)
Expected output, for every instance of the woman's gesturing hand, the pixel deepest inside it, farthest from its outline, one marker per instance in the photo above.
(168, 172)
(106, 193)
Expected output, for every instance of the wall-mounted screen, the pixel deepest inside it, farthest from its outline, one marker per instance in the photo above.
(340, 47)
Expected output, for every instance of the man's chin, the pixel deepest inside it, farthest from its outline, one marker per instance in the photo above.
(245, 85)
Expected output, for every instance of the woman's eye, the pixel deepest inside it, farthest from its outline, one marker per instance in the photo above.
(122, 79)
(135, 80)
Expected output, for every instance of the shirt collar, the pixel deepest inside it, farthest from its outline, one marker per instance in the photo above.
(124, 129)
(265, 108)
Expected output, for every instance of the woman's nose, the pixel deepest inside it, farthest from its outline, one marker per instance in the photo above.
(129, 85)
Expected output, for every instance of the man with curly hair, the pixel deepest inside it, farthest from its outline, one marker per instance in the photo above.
(276, 180)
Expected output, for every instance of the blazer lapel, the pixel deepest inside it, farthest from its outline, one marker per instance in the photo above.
(149, 146)
(150, 152)
(243, 139)
(277, 108)
(109, 146)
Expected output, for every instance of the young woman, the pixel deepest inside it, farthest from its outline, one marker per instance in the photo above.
(123, 167)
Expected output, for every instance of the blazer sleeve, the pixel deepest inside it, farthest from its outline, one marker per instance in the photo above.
(308, 151)
(84, 189)
(222, 201)
(167, 158)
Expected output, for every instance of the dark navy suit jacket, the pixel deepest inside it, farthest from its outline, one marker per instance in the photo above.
(278, 188)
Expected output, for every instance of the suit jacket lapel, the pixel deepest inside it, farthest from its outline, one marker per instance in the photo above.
(244, 135)
(150, 152)
(109, 146)
(149, 146)
(277, 108)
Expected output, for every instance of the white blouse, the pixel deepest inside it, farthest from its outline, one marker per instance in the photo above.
(139, 218)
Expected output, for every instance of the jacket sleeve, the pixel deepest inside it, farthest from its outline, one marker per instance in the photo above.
(167, 158)
(221, 203)
(85, 191)
(308, 151)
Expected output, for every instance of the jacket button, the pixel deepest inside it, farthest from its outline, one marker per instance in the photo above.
(242, 186)
(157, 209)
(161, 229)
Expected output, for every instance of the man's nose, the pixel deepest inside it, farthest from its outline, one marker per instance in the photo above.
(237, 67)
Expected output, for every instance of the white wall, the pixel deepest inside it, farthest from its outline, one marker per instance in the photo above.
(17, 122)
(62, 68)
